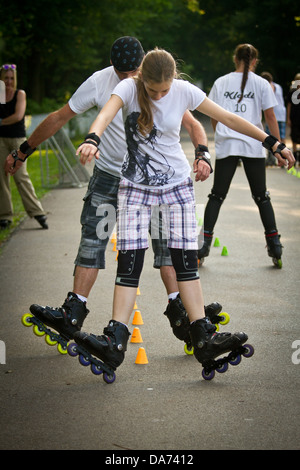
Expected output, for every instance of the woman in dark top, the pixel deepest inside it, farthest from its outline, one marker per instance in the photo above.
(12, 134)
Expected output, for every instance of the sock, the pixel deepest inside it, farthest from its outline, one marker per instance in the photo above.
(172, 296)
(82, 298)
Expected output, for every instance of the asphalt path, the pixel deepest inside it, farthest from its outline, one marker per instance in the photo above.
(48, 401)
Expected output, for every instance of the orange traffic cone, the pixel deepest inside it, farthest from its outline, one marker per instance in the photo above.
(141, 357)
(138, 292)
(137, 318)
(136, 336)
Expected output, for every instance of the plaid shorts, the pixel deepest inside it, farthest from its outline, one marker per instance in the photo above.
(138, 207)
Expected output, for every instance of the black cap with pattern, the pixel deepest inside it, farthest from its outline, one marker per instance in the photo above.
(126, 54)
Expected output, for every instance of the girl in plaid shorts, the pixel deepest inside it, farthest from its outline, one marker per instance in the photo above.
(156, 172)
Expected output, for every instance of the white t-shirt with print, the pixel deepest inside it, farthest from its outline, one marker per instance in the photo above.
(258, 96)
(157, 159)
(96, 91)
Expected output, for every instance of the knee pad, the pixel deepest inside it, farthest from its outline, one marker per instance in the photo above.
(261, 198)
(220, 198)
(185, 263)
(130, 265)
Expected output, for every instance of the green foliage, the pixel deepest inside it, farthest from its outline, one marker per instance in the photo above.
(57, 44)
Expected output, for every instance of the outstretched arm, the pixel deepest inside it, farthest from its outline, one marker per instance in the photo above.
(86, 150)
(239, 124)
(45, 129)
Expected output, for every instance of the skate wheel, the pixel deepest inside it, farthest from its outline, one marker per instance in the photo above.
(277, 263)
(38, 331)
(72, 349)
(236, 361)
(96, 369)
(109, 378)
(188, 350)
(26, 319)
(84, 361)
(225, 318)
(62, 349)
(223, 368)
(208, 375)
(50, 341)
(250, 350)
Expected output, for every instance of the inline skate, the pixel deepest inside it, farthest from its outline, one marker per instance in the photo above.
(103, 353)
(209, 345)
(203, 252)
(180, 324)
(274, 247)
(66, 320)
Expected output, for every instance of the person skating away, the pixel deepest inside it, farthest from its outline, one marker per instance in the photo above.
(125, 56)
(156, 172)
(248, 95)
(13, 135)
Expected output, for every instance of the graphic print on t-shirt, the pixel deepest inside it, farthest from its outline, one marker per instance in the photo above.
(139, 167)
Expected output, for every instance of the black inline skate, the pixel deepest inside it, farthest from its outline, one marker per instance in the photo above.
(108, 348)
(209, 345)
(66, 320)
(180, 323)
(274, 247)
(203, 252)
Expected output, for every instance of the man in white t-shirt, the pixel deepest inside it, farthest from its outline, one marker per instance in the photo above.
(126, 57)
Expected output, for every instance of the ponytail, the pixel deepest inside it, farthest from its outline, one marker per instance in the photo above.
(158, 66)
(245, 53)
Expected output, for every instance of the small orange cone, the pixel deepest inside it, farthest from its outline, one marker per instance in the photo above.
(113, 238)
(141, 357)
(136, 336)
(138, 291)
(115, 246)
(137, 318)
(135, 306)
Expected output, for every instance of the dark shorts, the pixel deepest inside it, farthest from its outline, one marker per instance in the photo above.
(98, 220)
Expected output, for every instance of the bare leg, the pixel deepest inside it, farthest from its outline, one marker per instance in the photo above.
(123, 303)
(168, 276)
(192, 299)
(84, 280)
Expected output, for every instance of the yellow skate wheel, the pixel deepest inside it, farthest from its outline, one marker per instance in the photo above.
(37, 331)
(61, 349)
(226, 318)
(188, 351)
(49, 341)
(25, 319)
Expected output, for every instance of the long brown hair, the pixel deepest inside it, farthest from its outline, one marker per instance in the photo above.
(158, 66)
(245, 53)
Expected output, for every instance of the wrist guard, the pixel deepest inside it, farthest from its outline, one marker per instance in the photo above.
(26, 149)
(94, 137)
(201, 153)
(270, 141)
(14, 154)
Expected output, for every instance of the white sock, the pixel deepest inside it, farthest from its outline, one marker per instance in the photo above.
(82, 298)
(173, 295)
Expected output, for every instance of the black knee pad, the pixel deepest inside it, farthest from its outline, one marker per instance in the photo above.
(130, 265)
(185, 263)
(261, 198)
(220, 198)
